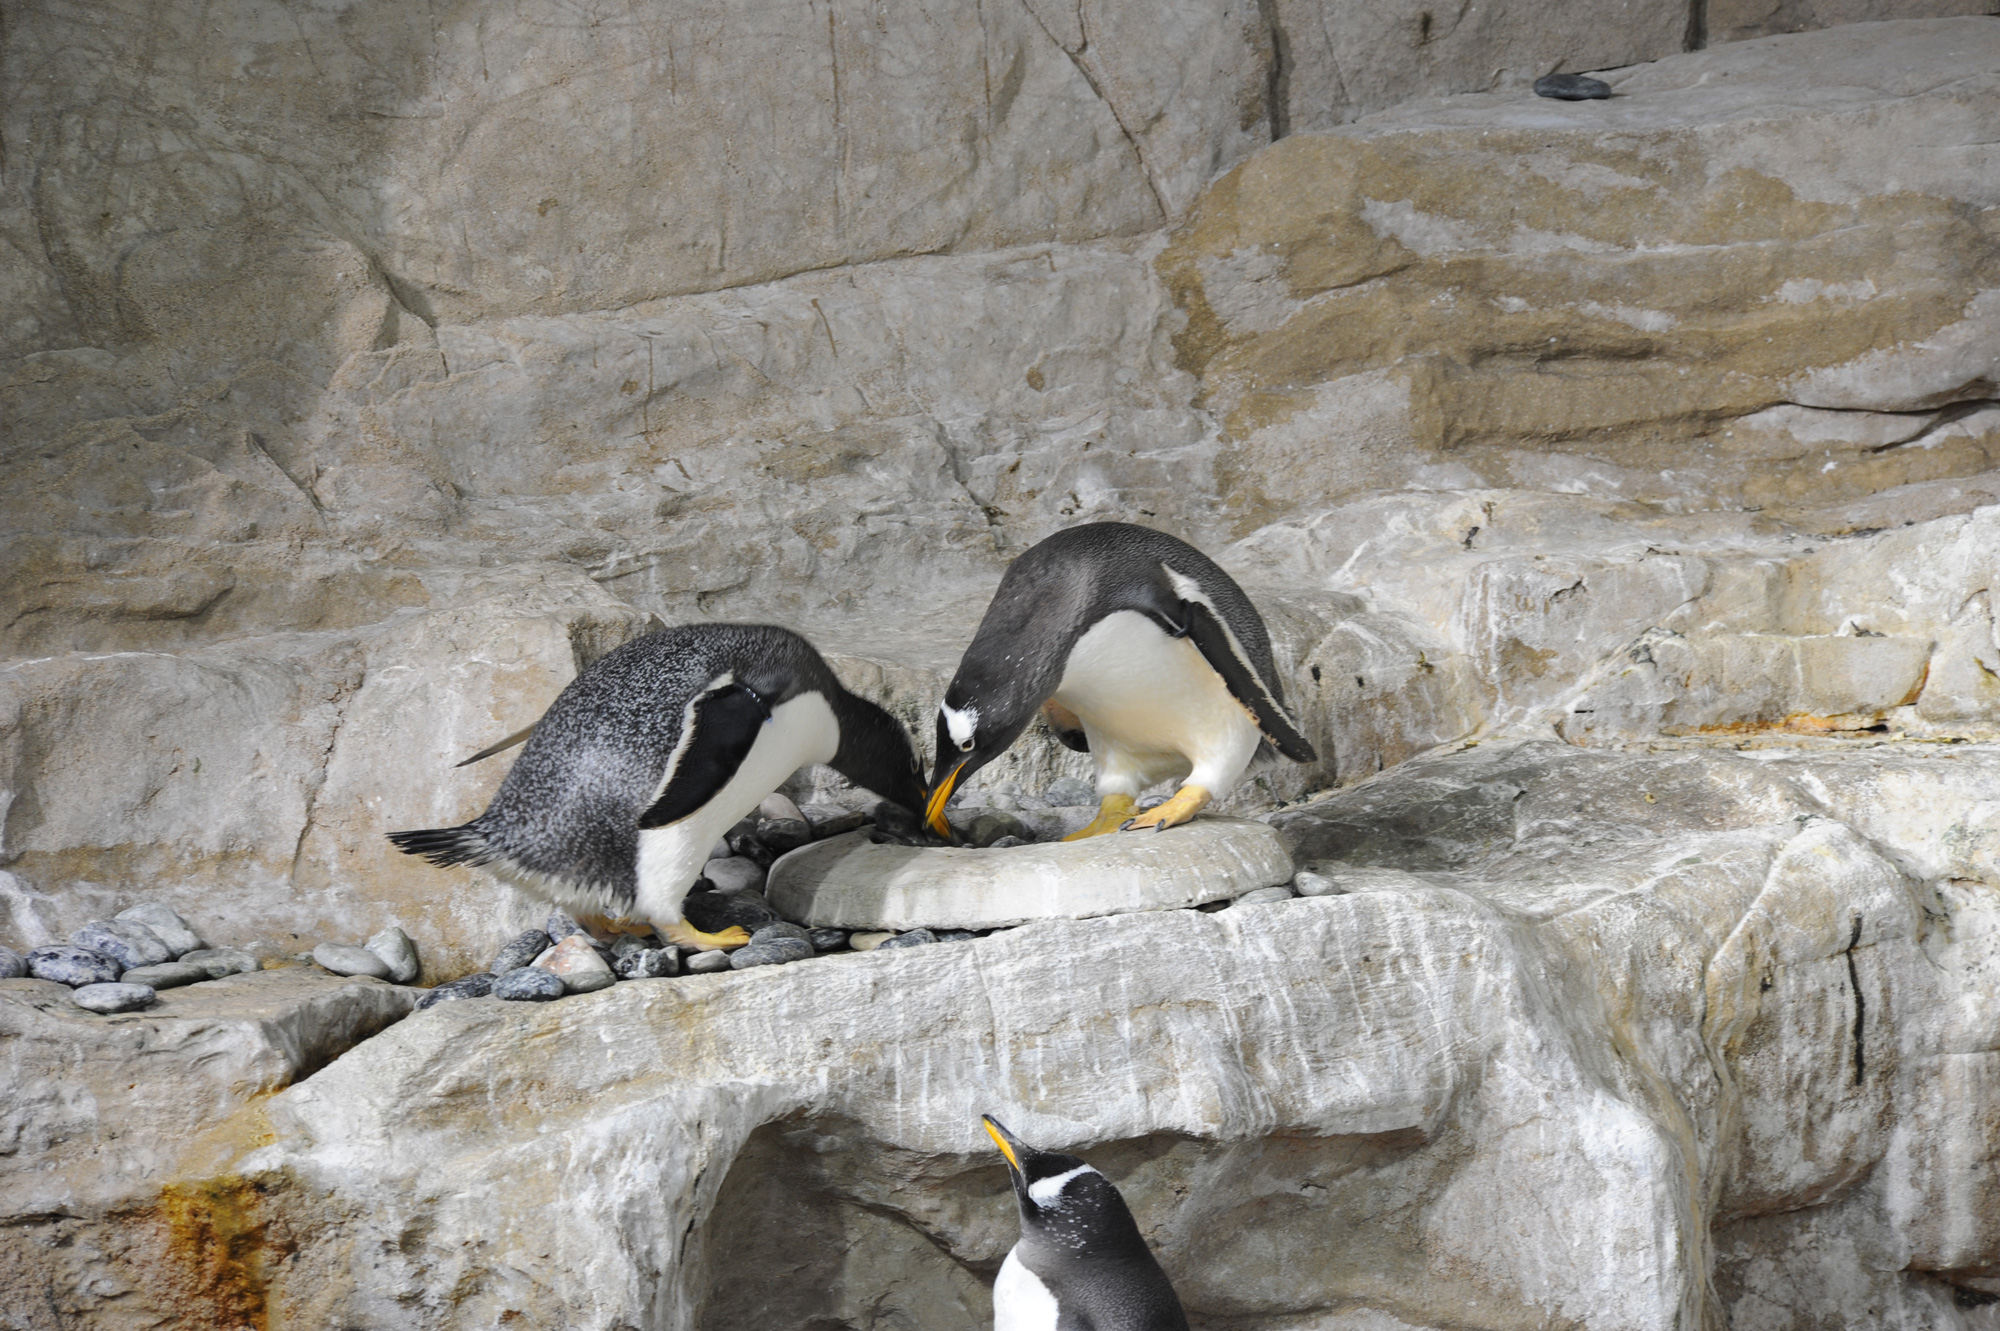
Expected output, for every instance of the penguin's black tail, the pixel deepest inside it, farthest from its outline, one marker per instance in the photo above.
(446, 846)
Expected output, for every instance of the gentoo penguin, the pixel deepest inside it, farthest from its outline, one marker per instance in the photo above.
(653, 753)
(1136, 648)
(1081, 1264)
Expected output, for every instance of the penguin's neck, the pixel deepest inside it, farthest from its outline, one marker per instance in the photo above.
(875, 751)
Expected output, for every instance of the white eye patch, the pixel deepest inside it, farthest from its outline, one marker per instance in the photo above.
(1043, 1192)
(960, 725)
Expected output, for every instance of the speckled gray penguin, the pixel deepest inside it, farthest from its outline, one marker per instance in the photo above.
(652, 754)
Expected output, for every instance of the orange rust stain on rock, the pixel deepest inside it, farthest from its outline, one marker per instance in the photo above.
(218, 1241)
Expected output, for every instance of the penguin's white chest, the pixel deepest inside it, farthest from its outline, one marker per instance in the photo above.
(1145, 696)
(1021, 1302)
(800, 731)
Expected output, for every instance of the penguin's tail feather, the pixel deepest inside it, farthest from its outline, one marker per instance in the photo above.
(446, 846)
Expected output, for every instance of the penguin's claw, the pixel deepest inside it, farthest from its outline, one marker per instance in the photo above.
(606, 928)
(1186, 803)
(683, 934)
(1112, 811)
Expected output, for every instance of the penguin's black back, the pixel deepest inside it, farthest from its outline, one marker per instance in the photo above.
(570, 807)
(1058, 588)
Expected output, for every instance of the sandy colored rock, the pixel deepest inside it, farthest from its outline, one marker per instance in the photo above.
(1741, 20)
(852, 883)
(1442, 293)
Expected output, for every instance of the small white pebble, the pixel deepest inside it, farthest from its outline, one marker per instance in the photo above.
(778, 806)
(1316, 885)
(735, 874)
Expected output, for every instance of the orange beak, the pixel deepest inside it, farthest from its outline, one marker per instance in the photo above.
(934, 810)
(1001, 1140)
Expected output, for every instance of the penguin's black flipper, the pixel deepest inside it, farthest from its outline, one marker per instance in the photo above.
(725, 725)
(1219, 648)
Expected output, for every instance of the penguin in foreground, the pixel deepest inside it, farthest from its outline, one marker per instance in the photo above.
(652, 754)
(1081, 1264)
(1134, 647)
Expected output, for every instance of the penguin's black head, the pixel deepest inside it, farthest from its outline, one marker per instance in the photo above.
(973, 728)
(1064, 1202)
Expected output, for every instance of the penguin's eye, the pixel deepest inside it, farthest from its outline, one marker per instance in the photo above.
(965, 746)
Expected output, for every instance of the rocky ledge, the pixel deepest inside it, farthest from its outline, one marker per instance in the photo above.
(1735, 1009)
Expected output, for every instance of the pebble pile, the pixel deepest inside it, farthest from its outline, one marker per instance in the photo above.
(121, 964)
(389, 955)
(561, 958)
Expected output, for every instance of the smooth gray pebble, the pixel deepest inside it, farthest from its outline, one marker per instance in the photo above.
(12, 967)
(704, 963)
(1264, 896)
(126, 942)
(166, 975)
(652, 963)
(477, 985)
(166, 924)
(828, 820)
(827, 940)
(1309, 884)
(1571, 87)
(1069, 792)
(521, 952)
(914, 938)
(530, 984)
(775, 952)
(399, 952)
(111, 997)
(221, 961)
(735, 874)
(560, 926)
(783, 834)
(346, 959)
(624, 945)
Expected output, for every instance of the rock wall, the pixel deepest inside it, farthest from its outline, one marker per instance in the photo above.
(1618, 480)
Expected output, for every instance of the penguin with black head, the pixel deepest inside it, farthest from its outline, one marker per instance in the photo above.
(1134, 647)
(652, 754)
(1081, 1264)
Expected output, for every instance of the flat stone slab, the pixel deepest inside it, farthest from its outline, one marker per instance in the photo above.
(851, 883)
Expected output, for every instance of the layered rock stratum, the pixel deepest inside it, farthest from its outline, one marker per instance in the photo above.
(1618, 480)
